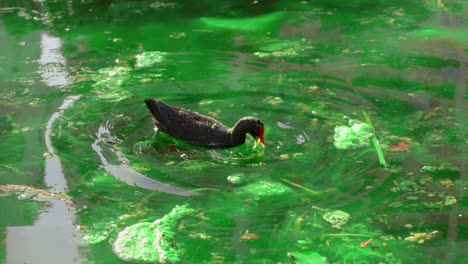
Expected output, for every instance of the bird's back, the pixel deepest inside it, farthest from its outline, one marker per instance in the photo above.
(187, 125)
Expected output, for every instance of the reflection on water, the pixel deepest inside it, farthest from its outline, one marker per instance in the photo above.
(52, 238)
(54, 177)
(105, 144)
(53, 64)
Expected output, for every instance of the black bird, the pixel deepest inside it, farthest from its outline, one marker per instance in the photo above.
(201, 130)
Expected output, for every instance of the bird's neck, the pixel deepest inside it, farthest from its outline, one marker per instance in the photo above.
(237, 135)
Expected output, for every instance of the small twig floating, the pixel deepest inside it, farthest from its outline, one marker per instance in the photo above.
(299, 186)
(375, 142)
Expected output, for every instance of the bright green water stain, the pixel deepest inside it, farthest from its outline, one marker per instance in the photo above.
(448, 34)
(243, 24)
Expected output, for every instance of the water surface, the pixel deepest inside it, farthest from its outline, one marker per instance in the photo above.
(73, 77)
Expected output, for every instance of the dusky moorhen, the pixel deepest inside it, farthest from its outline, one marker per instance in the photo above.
(202, 130)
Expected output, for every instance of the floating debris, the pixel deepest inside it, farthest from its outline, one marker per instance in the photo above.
(366, 243)
(449, 200)
(300, 139)
(282, 48)
(238, 178)
(375, 141)
(420, 238)
(336, 218)
(299, 186)
(249, 236)
(428, 168)
(399, 147)
(283, 125)
(27, 192)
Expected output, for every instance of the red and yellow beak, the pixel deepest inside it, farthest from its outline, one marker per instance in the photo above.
(260, 138)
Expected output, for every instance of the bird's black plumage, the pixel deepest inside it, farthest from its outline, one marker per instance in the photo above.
(202, 130)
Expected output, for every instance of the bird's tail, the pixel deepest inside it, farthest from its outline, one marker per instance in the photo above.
(153, 108)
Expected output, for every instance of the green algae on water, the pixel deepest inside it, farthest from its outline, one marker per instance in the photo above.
(237, 178)
(355, 135)
(109, 83)
(336, 218)
(263, 189)
(152, 242)
(148, 59)
(282, 48)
